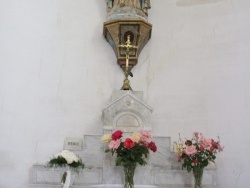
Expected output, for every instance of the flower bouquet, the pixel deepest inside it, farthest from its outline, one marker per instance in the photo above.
(66, 159)
(196, 153)
(132, 150)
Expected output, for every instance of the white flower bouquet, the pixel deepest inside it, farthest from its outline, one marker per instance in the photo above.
(66, 159)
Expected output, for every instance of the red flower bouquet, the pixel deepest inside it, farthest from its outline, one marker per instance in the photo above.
(134, 149)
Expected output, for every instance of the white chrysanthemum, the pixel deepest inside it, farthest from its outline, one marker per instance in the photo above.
(69, 156)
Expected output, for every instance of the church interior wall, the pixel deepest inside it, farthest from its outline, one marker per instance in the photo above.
(57, 73)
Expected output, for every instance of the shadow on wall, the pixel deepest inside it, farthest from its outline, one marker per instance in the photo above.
(195, 2)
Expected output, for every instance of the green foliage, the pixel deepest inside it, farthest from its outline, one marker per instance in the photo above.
(203, 159)
(61, 162)
(57, 162)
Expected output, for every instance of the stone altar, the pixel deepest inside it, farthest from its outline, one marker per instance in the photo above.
(162, 169)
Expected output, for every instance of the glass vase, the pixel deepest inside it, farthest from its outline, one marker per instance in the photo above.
(129, 171)
(198, 175)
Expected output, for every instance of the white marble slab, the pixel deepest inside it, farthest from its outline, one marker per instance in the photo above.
(162, 169)
(115, 186)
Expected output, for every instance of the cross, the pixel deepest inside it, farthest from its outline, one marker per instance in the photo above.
(127, 46)
(126, 85)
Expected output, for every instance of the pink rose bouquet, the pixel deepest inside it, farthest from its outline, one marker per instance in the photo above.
(132, 150)
(197, 152)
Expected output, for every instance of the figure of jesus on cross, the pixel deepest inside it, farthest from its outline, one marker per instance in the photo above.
(127, 72)
(127, 46)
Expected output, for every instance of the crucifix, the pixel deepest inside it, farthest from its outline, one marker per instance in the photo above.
(127, 71)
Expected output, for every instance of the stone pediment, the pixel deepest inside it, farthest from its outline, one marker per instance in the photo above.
(128, 112)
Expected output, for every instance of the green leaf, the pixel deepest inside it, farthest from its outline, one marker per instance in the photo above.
(64, 177)
(118, 161)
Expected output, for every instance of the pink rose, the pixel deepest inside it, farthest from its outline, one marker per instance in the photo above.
(145, 136)
(152, 146)
(190, 150)
(114, 144)
(117, 135)
(196, 134)
(220, 148)
(144, 143)
(206, 142)
(128, 143)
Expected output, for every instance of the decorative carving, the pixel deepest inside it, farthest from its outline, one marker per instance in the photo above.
(143, 5)
(127, 112)
(127, 120)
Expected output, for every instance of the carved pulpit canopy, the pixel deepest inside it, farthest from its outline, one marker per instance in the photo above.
(127, 24)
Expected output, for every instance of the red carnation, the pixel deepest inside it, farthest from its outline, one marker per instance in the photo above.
(117, 135)
(212, 148)
(202, 148)
(195, 162)
(215, 144)
(152, 146)
(128, 143)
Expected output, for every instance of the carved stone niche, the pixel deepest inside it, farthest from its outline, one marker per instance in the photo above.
(127, 112)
